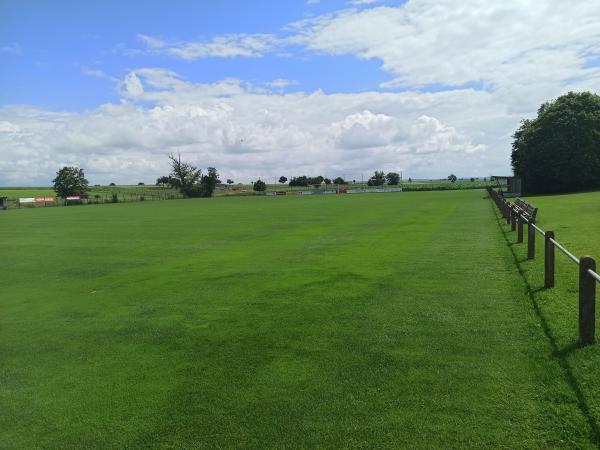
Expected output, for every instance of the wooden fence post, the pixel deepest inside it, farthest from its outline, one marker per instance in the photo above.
(549, 260)
(507, 209)
(587, 301)
(530, 240)
(513, 220)
(519, 229)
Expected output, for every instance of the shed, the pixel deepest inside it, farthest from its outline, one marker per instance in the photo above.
(512, 184)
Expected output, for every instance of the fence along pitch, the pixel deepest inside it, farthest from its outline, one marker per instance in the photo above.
(587, 266)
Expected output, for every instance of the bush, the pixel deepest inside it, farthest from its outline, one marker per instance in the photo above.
(259, 186)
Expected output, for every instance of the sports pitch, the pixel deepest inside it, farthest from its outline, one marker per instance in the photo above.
(379, 321)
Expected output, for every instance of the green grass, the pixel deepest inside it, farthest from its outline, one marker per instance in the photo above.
(575, 220)
(359, 321)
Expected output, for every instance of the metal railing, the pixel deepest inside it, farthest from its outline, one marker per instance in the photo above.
(587, 266)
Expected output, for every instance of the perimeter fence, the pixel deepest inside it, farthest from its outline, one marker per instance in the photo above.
(588, 277)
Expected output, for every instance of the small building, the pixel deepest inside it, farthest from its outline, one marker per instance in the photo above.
(510, 183)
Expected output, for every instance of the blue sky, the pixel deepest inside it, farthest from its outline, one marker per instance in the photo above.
(271, 88)
(58, 42)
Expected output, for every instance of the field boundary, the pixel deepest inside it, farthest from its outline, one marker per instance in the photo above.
(588, 277)
(561, 355)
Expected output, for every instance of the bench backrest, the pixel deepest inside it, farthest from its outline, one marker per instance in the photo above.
(526, 209)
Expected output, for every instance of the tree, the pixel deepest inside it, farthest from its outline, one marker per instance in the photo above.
(112, 184)
(162, 181)
(185, 174)
(410, 180)
(452, 178)
(299, 181)
(259, 186)
(339, 180)
(140, 183)
(378, 179)
(327, 181)
(208, 182)
(472, 179)
(230, 181)
(316, 181)
(282, 179)
(70, 181)
(393, 178)
(559, 150)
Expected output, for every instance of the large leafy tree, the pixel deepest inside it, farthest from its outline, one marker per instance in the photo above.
(559, 150)
(70, 181)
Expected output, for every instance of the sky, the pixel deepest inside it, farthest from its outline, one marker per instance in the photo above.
(261, 89)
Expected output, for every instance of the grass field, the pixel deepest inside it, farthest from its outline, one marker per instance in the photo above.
(575, 220)
(366, 321)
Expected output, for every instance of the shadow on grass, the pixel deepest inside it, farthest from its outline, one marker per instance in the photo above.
(561, 354)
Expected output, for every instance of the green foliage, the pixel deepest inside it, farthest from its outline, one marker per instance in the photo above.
(559, 150)
(70, 181)
(259, 186)
(112, 184)
(208, 182)
(452, 178)
(299, 181)
(282, 179)
(393, 178)
(186, 176)
(339, 180)
(378, 179)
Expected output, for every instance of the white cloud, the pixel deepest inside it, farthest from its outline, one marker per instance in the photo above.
(248, 133)
(280, 83)
(430, 42)
(13, 49)
(363, 2)
(222, 46)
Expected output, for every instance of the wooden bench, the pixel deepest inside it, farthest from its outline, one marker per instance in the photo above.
(527, 210)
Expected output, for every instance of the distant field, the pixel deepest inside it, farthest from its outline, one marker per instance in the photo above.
(373, 321)
(98, 194)
(414, 185)
(157, 191)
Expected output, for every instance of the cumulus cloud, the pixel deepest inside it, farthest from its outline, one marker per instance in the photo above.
(244, 132)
